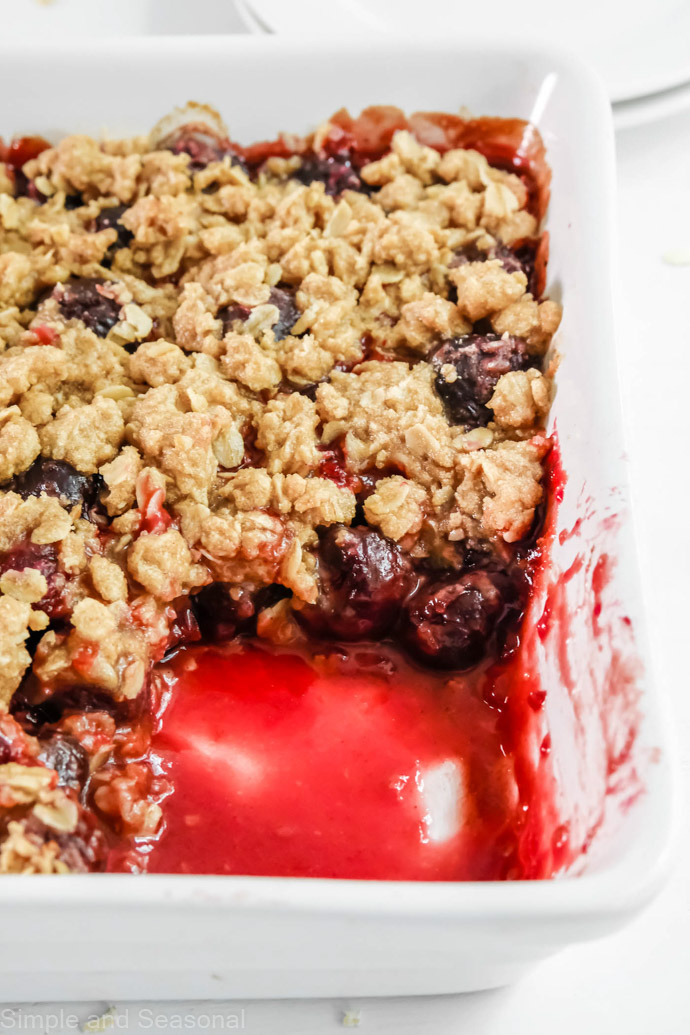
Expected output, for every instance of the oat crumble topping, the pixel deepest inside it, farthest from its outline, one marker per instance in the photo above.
(208, 360)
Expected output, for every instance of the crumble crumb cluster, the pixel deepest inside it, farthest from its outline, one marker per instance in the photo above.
(206, 361)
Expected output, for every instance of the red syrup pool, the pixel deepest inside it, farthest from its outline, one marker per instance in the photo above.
(354, 765)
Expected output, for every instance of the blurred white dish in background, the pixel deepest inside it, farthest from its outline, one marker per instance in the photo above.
(637, 47)
(654, 108)
(640, 51)
(61, 18)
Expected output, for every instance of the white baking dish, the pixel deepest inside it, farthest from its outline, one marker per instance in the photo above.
(100, 936)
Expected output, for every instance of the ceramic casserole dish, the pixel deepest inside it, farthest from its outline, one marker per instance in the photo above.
(119, 936)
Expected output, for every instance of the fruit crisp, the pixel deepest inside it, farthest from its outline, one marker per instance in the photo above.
(272, 404)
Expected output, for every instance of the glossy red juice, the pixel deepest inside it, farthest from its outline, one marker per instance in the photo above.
(355, 766)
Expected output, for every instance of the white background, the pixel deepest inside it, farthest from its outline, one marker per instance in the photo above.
(638, 981)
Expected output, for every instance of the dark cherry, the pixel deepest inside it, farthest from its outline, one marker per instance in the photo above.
(232, 314)
(284, 300)
(220, 615)
(56, 478)
(202, 148)
(452, 622)
(369, 480)
(109, 219)
(509, 259)
(25, 554)
(183, 629)
(334, 171)
(43, 558)
(281, 297)
(224, 610)
(526, 254)
(67, 757)
(26, 188)
(35, 706)
(308, 390)
(81, 299)
(480, 360)
(73, 201)
(364, 580)
(471, 253)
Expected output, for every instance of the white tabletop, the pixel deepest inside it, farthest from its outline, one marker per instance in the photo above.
(636, 981)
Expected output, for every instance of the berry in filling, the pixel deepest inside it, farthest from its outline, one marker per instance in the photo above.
(87, 300)
(468, 370)
(284, 301)
(336, 172)
(363, 582)
(452, 622)
(55, 478)
(66, 756)
(203, 147)
(288, 313)
(109, 218)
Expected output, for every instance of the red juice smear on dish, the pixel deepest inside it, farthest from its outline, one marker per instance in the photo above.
(575, 618)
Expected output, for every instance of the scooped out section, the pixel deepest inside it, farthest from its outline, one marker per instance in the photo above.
(357, 769)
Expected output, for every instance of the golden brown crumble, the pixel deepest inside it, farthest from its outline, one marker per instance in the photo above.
(228, 332)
